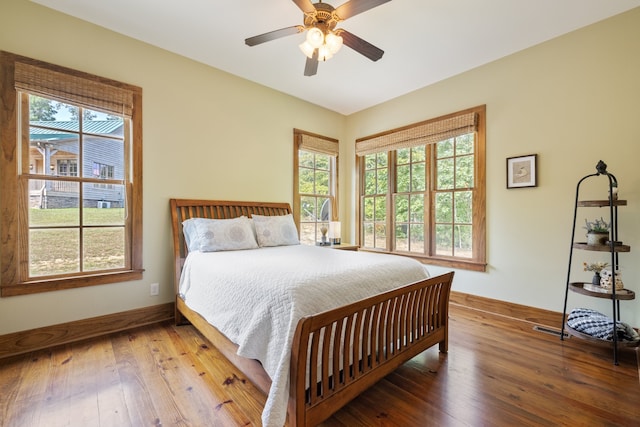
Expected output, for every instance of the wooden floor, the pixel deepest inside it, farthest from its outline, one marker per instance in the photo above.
(498, 372)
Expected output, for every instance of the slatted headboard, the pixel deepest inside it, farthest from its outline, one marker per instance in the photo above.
(183, 209)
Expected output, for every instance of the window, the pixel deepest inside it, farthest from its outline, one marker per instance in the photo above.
(73, 227)
(103, 172)
(315, 184)
(422, 190)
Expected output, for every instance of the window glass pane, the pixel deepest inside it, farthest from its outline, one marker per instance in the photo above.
(444, 234)
(46, 110)
(381, 236)
(444, 171)
(383, 181)
(368, 210)
(103, 205)
(464, 144)
(382, 160)
(464, 172)
(368, 234)
(402, 237)
(99, 123)
(418, 154)
(417, 238)
(307, 208)
(306, 181)
(444, 148)
(403, 179)
(307, 233)
(417, 208)
(380, 208)
(370, 161)
(464, 240)
(103, 248)
(464, 207)
(322, 161)
(305, 159)
(322, 182)
(417, 177)
(324, 210)
(49, 148)
(404, 156)
(402, 208)
(53, 203)
(54, 251)
(370, 182)
(103, 158)
(444, 207)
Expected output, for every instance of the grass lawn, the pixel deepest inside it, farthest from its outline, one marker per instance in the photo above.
(54, 240)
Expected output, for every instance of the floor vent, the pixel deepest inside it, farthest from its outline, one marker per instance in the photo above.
(550, 331)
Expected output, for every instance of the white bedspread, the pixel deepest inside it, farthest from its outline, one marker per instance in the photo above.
(256, 298)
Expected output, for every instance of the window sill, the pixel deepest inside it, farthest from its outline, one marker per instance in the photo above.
(460, 263)
(37, 286)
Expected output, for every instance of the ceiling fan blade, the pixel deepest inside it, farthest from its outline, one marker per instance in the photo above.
(354, 7)
(361, 46)
(272, 35)
(311, 67)
(305, 5)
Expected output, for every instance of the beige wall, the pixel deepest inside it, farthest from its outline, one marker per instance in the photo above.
(572, 101)
(207, 134)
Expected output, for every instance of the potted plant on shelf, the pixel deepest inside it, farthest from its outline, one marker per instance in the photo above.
(597, 231)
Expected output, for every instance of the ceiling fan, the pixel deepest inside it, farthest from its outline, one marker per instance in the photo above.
(323, 39)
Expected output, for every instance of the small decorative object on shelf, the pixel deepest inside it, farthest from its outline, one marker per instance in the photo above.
(606, 279)
(324, 241)
(597, 231)
(596, 267)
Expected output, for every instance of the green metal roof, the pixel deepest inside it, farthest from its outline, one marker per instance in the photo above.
(65, 129)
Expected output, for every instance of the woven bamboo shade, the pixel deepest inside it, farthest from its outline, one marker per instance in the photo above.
(318, 144)
(419, 134)
(73, 89)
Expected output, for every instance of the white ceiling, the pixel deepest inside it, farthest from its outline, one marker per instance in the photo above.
(425, 41)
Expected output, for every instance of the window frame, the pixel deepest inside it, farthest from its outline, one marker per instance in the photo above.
(14, 222)
(397, 140)
(317, 144)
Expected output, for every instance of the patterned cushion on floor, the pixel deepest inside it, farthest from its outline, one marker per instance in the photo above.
(597, 325)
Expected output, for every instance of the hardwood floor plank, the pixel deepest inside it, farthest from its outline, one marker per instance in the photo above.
(223, 379)
(498, 372)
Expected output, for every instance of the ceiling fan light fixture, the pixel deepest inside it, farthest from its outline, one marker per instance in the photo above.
(315, 37)
(307, 49)
(333, 42)
(324, 53)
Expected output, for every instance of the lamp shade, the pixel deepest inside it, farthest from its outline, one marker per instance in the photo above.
(315, 37)
(307, 49)
(334, 232)
(333, 42)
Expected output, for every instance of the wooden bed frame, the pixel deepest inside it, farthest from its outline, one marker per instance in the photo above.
(380, 332)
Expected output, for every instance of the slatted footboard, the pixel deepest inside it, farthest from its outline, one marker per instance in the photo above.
(354, 346)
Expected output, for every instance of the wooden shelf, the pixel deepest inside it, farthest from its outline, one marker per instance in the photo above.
(622, 294)
(600, 203)
(601, 248)
(598, 341)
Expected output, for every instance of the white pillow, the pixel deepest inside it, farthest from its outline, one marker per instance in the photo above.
(211, 235)
(276, 230)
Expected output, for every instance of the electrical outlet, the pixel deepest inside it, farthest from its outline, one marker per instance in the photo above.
(154, 289)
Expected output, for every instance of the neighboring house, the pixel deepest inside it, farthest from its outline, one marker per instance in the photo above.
(56, 152)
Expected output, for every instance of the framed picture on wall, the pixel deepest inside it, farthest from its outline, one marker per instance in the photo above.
(522, 171)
